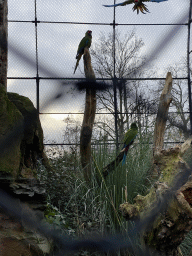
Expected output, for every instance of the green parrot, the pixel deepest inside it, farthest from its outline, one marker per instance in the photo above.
(85, 42)
(129, 138)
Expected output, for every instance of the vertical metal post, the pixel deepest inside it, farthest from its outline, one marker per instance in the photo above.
(115, 83)
(37, 66)
(188, 66)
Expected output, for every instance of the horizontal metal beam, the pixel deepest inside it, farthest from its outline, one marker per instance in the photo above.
(98, 79)
(100, 23)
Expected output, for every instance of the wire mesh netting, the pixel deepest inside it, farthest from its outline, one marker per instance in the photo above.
(43, 40)
(49, 32)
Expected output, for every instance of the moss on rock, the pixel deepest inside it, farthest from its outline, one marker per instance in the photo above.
(10, 117)
(32, 143)
(21, 135)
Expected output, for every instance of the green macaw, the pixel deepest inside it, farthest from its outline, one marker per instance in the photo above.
(129, 138)
(139, 6)
(85, 42)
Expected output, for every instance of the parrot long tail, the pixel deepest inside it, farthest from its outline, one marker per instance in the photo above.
(78, 57)
(77, 63)
(124, 157)
(125, 154)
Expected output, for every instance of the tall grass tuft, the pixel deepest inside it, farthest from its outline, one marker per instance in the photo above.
(125, 182)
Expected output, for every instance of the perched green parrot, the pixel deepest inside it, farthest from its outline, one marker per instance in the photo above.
(139, 6)
(129, 138)
(86, 41)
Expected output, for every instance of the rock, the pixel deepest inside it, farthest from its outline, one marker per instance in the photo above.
(21, 147)
(10, 117)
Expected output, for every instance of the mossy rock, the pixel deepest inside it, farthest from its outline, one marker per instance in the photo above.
(20, 134)
(29, 112)
(10, 117)
(32, 143)
(21, 144)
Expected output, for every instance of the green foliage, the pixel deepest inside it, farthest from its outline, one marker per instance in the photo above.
(186, 245)
(95, 208)
(125, 182)
(53, 215)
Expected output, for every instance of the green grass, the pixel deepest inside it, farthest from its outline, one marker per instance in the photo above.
(81, 209)
(94, 208)
(186, 245)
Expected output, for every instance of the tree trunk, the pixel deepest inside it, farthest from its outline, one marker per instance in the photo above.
(89, 117)
(3, 45)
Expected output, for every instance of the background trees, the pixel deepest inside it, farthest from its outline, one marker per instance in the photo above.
(128, 63)
(135, 103)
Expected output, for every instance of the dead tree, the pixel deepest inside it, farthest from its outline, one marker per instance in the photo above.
(162, 115)
(89, 117)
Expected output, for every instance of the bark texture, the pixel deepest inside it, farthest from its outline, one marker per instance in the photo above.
(89, 117)
(162, 114)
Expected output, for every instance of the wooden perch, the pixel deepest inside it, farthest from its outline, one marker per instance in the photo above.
(89, 117)
(170, 226)
(162, 114)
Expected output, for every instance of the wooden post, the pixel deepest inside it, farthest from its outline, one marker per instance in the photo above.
(162, 115)
(3, 45)
(89, 117)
